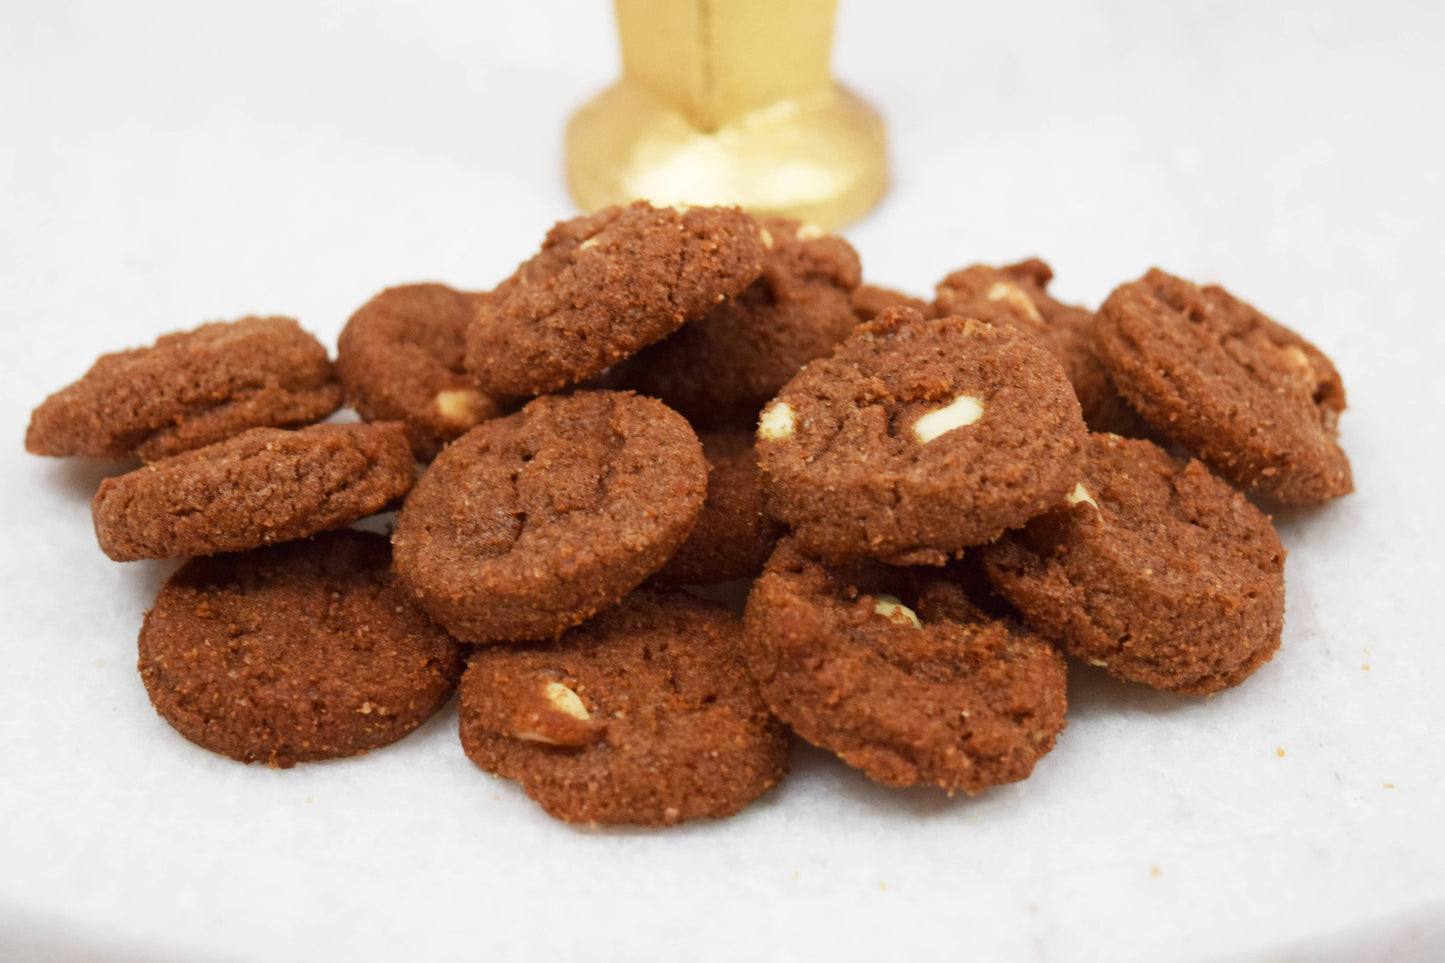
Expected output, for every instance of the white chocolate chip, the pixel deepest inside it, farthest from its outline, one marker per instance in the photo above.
(958, 413)
(588, 244)
(892, 609)
(777, 422)
(1098, 662)
(1300, 360)
(462, 406)
(767, 238)
(1080, 494)
(1014, 295)
(809, 232)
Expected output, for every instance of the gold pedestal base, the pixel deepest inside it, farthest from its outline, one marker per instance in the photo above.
(821, 159)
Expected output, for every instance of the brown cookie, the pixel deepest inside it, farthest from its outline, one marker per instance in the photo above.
(919, 437)
(264, 485)
(733, 536)
(644, 715)
(1154, 569)
(401, 359)
(188, 390)
(605, 285)
(1250, 397)
(721, 369)
(295, 652)
(1017, 294)
(528, 524)
(869, 301)
(908, 697)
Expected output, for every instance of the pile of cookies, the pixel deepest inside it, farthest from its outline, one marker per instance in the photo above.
(935, 502)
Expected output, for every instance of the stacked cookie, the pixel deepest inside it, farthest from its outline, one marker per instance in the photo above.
(937, 501)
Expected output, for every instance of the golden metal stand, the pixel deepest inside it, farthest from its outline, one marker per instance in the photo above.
(729, 102)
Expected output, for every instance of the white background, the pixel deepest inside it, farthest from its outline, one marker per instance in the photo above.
(165, 163)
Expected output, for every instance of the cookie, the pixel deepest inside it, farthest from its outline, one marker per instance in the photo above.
(528, 524)
(908, 697)
(733, 536)
(1017, 294)
(605, 285)
(1154, 569)
(919, 437)
(721, 369)
(1255, 401)
(188, 390)
(643, 715)
(869, 301)
(295, 652)
(400, 358)
(264, 485)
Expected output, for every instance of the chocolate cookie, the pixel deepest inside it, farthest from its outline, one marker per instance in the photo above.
(605, 285)
(528, 524)
(721, 369)
(1250, 397)
(401, 359)
(733, 536)
(645, 715)
(908, 697)
(265, 485)
(1017, 294)
(188, 390)
(869, 301)
(296, 652)
(1154, 569)
(919, 437)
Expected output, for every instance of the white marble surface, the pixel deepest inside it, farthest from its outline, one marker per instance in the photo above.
(163, 163)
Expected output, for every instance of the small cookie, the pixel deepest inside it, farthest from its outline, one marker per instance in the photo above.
(906, 696)
(869, 301)
(643, 715)
(733, 536)
(401, 359)
(605, 285)
(1154, 569)
(1255, 401)
(188, 390)
(528, 524)
(1017, 294)
(295, 652)
(721, 369)
(264, 485)
(919, 437)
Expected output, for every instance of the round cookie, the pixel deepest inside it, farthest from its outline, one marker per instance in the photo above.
(642, 715)
(1255, 401)
(295, 652)
(907, 696)
(264, 485)
(400, 358)
(1154, 569)
(919, 437)
(188, 390)
(722, 368)
(528, 524)
(870, 300)
(605, 285)
(1017, 294)
(733, 536)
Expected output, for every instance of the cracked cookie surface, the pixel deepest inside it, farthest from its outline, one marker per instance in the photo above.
(605, 285)
(188, 390)
(1153, 569)
(530, 523)
(296, 652)
(643, 715)
(262, 486)
(919, 437)
(910, 693)
(1252, 399)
